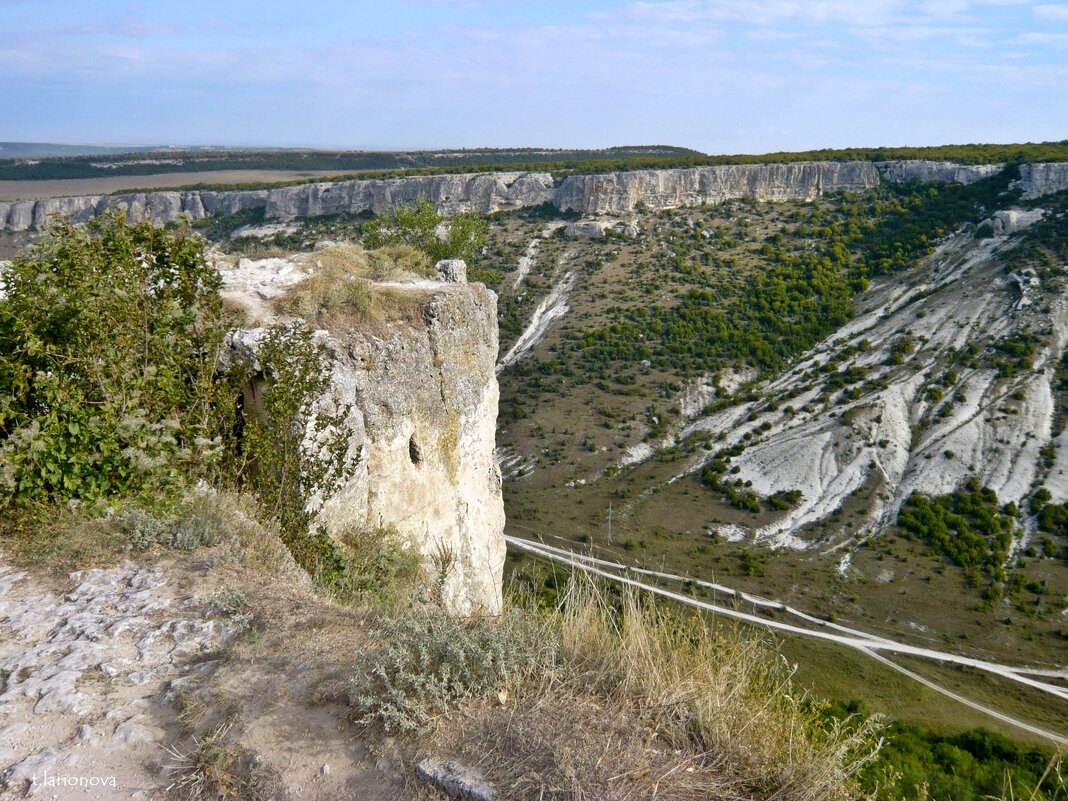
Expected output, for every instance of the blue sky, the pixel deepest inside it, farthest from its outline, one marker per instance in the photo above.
(722, 76)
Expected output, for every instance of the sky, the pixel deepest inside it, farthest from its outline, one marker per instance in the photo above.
(721, 76)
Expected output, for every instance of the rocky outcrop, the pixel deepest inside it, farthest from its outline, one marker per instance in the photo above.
(455, 780)
(1037, 180)
(611, 193)
(84, 672)
(451, 271)
(415, 399)
(598, 229)
(1009, 221)
(929, 172)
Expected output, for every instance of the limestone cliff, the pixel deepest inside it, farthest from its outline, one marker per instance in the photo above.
(419, 401)
(452, 194)
(487, 193)
(621, 192)
(926, 172)
(1037, 180)
(609, 193)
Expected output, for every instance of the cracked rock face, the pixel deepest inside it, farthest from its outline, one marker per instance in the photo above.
(622, 192)
(452, 194)
(418, 398)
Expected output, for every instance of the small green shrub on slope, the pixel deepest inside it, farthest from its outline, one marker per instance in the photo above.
(974, 765)
(418, 225)
(966, 527)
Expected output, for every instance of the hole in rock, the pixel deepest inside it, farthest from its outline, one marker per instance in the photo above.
(413, 451)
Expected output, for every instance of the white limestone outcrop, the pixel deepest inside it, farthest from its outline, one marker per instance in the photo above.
(417, 397)
(1009, 221)
(1037, 180)
(598, 229)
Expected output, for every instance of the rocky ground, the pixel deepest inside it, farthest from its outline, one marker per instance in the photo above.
(136, 682)
(88, 668)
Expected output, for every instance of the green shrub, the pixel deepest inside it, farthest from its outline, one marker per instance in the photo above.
(276, 465)
(970, 766)
(427, 664)
(188, 531)
(967, 526)
(109, 341)
(417, 225)
(232, 604)
(364, 563)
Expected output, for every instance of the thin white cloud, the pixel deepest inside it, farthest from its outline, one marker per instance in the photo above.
(767, 12)
(1052, 11)
(1058, 39)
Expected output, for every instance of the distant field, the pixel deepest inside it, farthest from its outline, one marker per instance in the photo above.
(39, 190)
(171, 161)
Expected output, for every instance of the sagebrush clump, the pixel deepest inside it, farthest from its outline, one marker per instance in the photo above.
(428, 663)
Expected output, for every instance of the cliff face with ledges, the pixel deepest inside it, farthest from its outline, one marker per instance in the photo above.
(926, 172)
(609, 193)
(450, 193)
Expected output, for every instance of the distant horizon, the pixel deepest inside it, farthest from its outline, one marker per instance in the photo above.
(389, 149)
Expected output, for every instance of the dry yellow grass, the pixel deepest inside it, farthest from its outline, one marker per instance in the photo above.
(634, 702)
(340, 292)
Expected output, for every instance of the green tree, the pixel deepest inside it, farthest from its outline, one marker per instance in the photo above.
(421, 226)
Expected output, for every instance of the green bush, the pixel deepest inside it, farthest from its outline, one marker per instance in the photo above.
(417, 225)
(361, 563)
(966, 527)
(970, 766)
(276, 465)
(425, 665)
(109, 341)
(186, 532)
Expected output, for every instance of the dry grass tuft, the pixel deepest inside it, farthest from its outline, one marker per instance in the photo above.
(66, 539)
(339, 290)
(214, 768)
(223, 526)
(634, 702)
